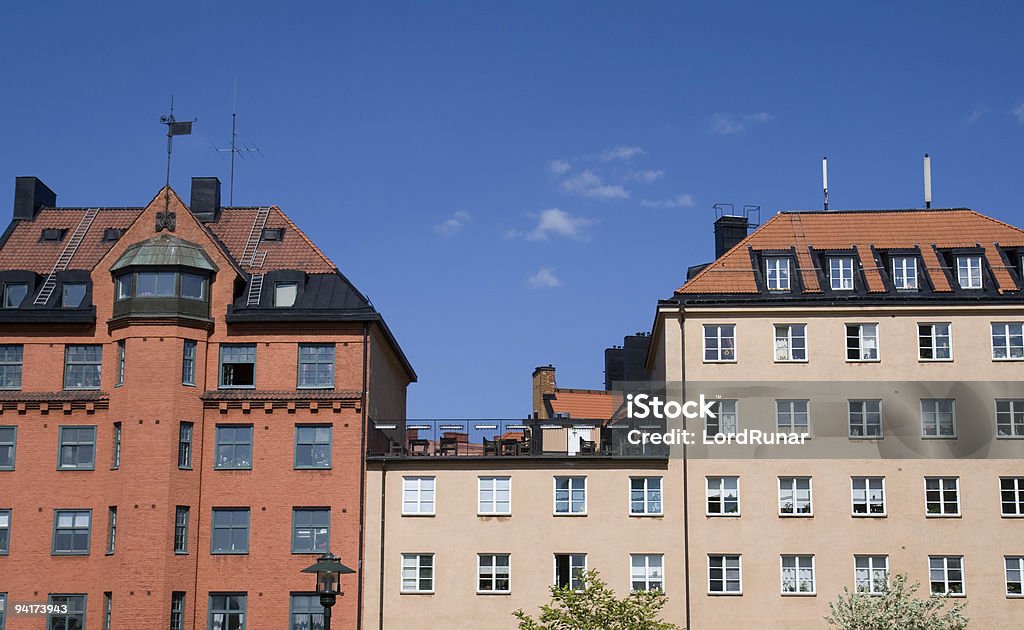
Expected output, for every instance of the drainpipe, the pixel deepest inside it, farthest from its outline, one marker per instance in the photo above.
(686, 476)
(383, 515)
(362, 475)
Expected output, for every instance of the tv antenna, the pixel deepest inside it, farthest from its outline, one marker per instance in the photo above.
(235, 149)
(174, 128)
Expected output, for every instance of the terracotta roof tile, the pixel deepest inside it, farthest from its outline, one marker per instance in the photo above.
(296, 251)
(24, 249)
(870, 266)
(591, 404)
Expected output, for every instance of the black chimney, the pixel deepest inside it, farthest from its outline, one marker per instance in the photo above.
(31, 194)
(729, 230)
(205, 202)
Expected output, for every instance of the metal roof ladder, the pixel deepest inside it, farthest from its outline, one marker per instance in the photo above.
(249, 253)
(255, 290)
(65, 256)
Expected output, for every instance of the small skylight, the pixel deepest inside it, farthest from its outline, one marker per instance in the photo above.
(53, 235)
(272, 234)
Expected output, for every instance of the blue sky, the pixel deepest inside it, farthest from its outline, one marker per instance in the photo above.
(516, 184)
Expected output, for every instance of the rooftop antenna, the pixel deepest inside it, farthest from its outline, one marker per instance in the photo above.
(240, 151)
(824, 179)
(174, 128)
(927, 181)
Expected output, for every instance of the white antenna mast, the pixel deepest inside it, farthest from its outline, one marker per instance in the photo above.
(235, 149)
(927, 181)
(824, 179)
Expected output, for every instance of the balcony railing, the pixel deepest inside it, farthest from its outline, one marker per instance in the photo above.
(509, 438)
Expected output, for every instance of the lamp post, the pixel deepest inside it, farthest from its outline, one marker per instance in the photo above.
(328, 569)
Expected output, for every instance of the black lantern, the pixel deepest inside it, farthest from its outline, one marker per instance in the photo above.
(328, 569)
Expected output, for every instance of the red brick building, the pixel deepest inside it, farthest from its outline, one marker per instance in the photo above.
(183, 392)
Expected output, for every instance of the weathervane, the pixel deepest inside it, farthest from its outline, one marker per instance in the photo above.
(240, 151)
(174, 128)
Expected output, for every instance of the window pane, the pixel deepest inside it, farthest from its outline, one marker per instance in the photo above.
(191, 286)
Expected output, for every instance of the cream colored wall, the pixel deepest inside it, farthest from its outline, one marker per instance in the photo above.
(532, 535)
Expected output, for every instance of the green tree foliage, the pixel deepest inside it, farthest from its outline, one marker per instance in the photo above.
(595, 607)
(896, 608)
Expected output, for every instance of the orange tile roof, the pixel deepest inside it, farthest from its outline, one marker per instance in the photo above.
(296, 251)
(862, 230)
(24, 250)
(591, 404)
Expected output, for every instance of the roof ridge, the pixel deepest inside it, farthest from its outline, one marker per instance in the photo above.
(309, 242)
(997, 221)
(875, 211)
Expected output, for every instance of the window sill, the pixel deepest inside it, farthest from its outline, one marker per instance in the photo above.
(724, 594)
(1010, 437)
(921, 360)
(188, 384)
(792, 361)
(232, 467)
(181, 553)
(568, 514)
(1011, 515)
(423, 514)
(869, 515)
(331, 386)
(307, 553)
(498, 514)
(236, 387)
(863, 360)
(939, 437)
(720, 361)
(867, 438)
(312, 468)
(416, 592)
(799, 594)
(59, 469)
(659, 515)
(730, 515)
(79, 554)
(1008, 360)
(796, 515)
(506, 593)
(229, 553)
(943, 515)
(184, 468)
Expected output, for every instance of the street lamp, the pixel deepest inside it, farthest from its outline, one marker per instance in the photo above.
(328, 569)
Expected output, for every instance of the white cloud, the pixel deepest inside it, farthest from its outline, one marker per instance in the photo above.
(679, 201)
(725, 124)
(588, 184)
(453, 224)
(558, 167)
(647, 176)
(545, 278)
(1018, 113)
(554, 222)
(619, 153)
(977, 114)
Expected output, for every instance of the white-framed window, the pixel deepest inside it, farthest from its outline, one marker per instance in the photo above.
(904, 272)
(418, 496)
(840, 273)
(934, 342)
(495, 495)
(1007, 341)
(871, 574)
(790, 342)
(646, 572)
(862, 342)
(946, 575)
(720, 342)
(868, 495)
(798, 575)
(792, 416)
(417, 573)
(569, 568)
(1014, 575)
(942, 496)
(725, 574)
(494, 573)
(1010, 418)
(723, 496)
(645, 496)
(865, 418)
(968, 272)
(777, 273)
(570, 495)
(725, 421)
(795, 496)
(938, 417)
(1011, 496)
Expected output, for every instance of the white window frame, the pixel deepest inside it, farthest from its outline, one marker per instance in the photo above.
(974, 272)
(569, 502)
(777, 273)
(872, 571)
(785, 333)
(1018, 499)
(722, 353)
(792, 483)
(494, 500)
(861, 345)
(494, 575)
(415, 484)
(720, 488)
(863, 423)
(791, 411)
(647, 577)
(1009, 347)
(797, 568)
(945, 576)
(647, 492)
(904, 269)
(1018, 561)
(726, 421)
(574, 581)
(840, 270)
(739, 567)
(933, 336)
(868, 502)
(939, 435)
(417, 567)
(942, 499)
(1016, 408)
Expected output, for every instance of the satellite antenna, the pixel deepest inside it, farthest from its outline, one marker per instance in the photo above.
(927, 181)
(240, 151)
(174, 128)
(824, 179)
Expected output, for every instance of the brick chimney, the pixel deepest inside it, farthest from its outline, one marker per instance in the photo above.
(205, 200)
(729, 230)
(543, 383)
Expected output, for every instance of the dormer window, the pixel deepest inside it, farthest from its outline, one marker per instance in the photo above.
(272, 234)
(112, 234)
(52, 235)
(904, 273)
(777, 273)
(968, 272)
(72, 294)
(14, 294)
(840, 273)
(285, 293)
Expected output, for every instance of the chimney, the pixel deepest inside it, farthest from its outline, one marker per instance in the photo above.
(31, 194)
(729, 230)
(543, 383)
(205, 201)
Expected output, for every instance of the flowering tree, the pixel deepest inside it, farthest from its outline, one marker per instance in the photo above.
(895, 608)
(593, 606)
